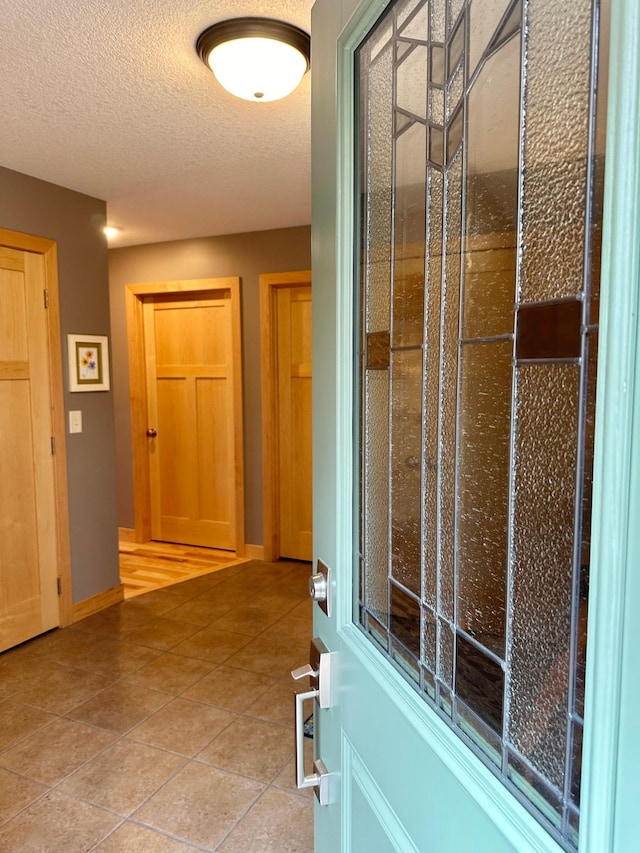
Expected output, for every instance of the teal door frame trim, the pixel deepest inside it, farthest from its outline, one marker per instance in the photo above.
(611, 738)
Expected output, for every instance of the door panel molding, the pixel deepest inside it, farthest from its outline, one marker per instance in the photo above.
(135, 295)
(270, 283)
(49, 251)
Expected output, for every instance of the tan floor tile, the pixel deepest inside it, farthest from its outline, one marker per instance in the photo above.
(287, 777)
(183, 726)
(270, 656)
(123, 776)
(250, 619)
(55, 751)
(19, 671)
(199, 611)
(278, 821)
(212, 644)
(62, 689)
(200, 804)
(251, 747)
(57, 824)
(276, 704)
(107, 656)
(171, 673)
(224, 687)
(294, 628)
(120, 707)
(16, 793)
(131, 838)
(19, 721)
(162, 634)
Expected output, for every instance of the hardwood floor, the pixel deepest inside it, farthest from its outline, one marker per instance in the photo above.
(158, 564)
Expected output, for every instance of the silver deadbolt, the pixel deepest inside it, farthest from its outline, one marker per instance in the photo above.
(320, 587)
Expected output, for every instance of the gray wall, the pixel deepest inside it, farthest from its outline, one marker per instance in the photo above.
(75, 221)
(245, 255)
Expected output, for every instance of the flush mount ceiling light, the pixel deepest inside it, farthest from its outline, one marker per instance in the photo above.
(257, 59)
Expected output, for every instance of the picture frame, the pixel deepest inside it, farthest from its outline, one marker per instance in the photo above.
(88, 362)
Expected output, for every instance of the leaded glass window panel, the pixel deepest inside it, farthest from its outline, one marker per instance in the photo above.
(480, 164)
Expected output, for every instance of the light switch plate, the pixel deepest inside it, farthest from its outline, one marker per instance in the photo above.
(75, 421)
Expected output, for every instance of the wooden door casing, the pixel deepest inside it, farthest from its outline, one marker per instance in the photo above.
(285, 311)
(171, 299)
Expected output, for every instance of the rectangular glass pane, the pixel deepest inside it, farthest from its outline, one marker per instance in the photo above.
(406, 452)
(409, 244)
(483, 489)
(480, 683)
(542, 562)
(555, 151)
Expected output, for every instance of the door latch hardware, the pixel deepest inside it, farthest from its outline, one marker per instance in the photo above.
(320, 587)
(319, 778)
(319, 671)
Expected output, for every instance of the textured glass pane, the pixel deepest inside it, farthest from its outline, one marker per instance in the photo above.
(436, 105)
(484, 18)
(409, 248)
(429, 640)
(437, 19)
(432, 384)
(406, 448)
(453, 10)
(480, 683)
(376, 489)
(489, 286)
(405, 619)
(449, 383)
(483, 488)
(378, 190)
(411, 82)
(445, 652)
(545, 476)
(555, 151)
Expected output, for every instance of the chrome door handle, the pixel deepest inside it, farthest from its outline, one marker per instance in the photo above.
(319, 779)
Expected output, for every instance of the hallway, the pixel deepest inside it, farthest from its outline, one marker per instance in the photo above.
(162, 724)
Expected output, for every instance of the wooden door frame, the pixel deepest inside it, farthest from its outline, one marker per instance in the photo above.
(269, 285)
(134, 296)
(49, 251)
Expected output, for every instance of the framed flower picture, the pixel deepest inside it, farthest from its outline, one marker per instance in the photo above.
(88, 362)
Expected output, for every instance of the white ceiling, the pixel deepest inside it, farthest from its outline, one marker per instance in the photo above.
(109, 98)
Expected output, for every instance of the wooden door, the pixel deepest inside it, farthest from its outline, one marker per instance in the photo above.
(28, 543)
(190, 395)
(294, 421)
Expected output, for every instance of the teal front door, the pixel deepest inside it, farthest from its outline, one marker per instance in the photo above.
(473, 500)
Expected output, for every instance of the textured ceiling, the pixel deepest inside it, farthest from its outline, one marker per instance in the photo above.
(108, 97)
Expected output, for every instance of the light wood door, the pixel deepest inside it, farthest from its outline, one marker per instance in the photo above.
(28, 543)
(190, 394)
(294, 421)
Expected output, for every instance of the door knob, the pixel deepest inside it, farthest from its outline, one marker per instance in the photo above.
(152, 433)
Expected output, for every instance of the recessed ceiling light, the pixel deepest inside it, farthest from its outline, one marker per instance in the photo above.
(257, 59)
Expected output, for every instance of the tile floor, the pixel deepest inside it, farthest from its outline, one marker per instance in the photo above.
(161, 725)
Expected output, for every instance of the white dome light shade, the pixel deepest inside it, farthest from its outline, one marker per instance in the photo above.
(257, 69)
(256, 59)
